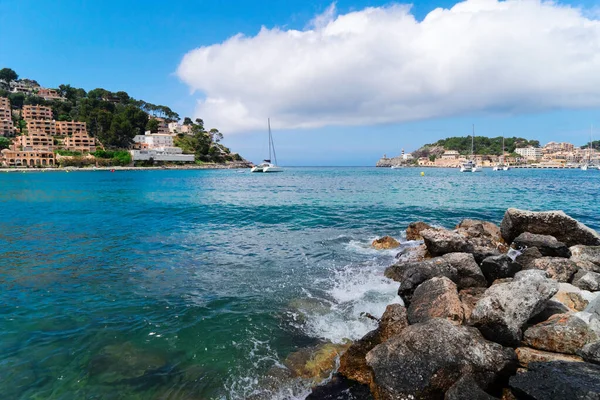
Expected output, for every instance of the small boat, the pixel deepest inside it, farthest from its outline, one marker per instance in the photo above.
(588, 164)
(266, 165)
(467, 167)
(396, 166)
(502, 166)
(470, 165)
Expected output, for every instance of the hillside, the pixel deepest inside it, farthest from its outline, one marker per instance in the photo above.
(113, 118)
(482, 145)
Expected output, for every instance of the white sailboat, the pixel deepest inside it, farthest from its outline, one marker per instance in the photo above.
(470, 165)
(584, 167)
(502, 166)
(266, 165)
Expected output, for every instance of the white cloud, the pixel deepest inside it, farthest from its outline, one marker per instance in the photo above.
(380, 65)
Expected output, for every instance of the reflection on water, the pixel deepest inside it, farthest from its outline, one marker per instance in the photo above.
(200, 284)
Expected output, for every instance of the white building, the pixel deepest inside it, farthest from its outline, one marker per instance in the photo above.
(162, 154)
(154, 140)
(530, 153)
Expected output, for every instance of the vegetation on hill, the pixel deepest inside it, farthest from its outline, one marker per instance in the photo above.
(595, 145)
(114, 118)
(482, 145)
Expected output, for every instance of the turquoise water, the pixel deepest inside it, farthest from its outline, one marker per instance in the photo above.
(197, 284)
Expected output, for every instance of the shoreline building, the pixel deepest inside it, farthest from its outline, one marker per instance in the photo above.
(530, 153)
(7, 128)
(158, 147)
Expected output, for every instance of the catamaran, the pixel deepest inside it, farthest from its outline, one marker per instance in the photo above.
(470, 165)
(266, 165)
(502, 166)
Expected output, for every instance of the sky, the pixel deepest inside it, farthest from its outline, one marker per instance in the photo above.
(343, 82)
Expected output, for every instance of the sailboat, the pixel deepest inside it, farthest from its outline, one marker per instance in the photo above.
(584, 167)
(502, 166)
(470, 165)
(266, 165)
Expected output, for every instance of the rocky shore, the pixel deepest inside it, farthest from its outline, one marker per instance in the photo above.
(228, 165)
(490, 312)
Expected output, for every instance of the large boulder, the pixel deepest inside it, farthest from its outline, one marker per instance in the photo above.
(466, 388)
(428, 358)
(559, 269)
(561, 333)
(436, 298)
(590, 254)
(385, 243)
(587, 280)
(554, 223)
(315, 363)
(499, 267)
(527, 256)
(506, 307)
(469, 298)
(414, 229)
(546, 244)
(527, 355)
(413, 253)
(338, 388)
(460, 268)
(559, 380)
(591, 352)
(573, 301)
(352, 363)
(487, 228)
(442, 241)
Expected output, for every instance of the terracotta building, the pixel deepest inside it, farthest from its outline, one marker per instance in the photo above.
(5, 103)
(80, 141)
(6, 127)
(26, 158)
(65, 128)
(49, 94)
(47, 126)
(36, 113)
(34, 140)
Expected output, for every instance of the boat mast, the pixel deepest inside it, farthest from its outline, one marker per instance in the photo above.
(269, 122)
(473, 143)
(272, 144)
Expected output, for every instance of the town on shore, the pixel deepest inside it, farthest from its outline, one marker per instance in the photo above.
(71, 128)
(551, 155)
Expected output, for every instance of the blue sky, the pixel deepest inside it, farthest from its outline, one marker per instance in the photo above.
(137, 46)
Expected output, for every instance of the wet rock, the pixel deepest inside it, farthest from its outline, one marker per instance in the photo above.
(315, 363)
(413, 232)
(587, 280)
(588, 254)
(442, 241)
(559, 269)
(506, 307)
(499, 267)
(561, 333)
(413, 254)
(466, 388)
(393, 321)
(460, 268)
(120, 362)
(352, 363)
(486, 228)
(573, 301)
(554, 223)
(428, 358)
(385, 243)
(528, 256)
(340, 388)
(469, 298)
(527, 355)
(546, 244)
(558, 380)
(436, 298)
(591, 352)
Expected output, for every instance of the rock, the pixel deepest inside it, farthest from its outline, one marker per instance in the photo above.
(572, 300)
(586, 265)
(559, 269)
(352, 363)
(558, 380)
(124, 361)
(593, 308)
(587, 280)
(487, 228)
(414, 229)
(392, 322)
(436, 298)
(385, 243)
(428, 358)
(590, 254)
(506, 307)
(413, 254)
(466, 388)
(340, 388)
(591, 352)
(561, 333)
(552, 308)
(546, 244)
(554, 223)
(528, 256)
(527, 355)
(460, 268)
(442, 241)
(499, 267)
(315, 363)
(469, 298)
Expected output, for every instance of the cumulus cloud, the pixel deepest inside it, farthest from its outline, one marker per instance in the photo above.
(381, 65)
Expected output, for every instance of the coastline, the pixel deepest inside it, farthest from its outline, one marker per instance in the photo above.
(118, 168)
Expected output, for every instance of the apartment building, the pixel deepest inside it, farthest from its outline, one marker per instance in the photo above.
(65, 128)
(49, 94)
(26, 158)
(153, 140)
(34, 140)
(47, 126)
(554, 147)
(7, 127)
(80, 141)
(36, 113)
(530, 153)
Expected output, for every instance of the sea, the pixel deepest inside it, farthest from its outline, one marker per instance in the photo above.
(200, 284)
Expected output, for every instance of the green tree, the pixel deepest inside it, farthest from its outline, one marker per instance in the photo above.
(4, 143)
(16, 100)
(152, 125)
(187, 121)
(8, 75)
